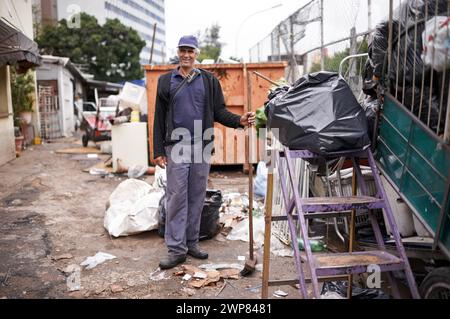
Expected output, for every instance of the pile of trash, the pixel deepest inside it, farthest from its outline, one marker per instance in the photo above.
(339, 290)
(196, 277)
(423, 45)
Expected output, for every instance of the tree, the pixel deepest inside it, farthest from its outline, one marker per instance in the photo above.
(210, 46)
(109, 52)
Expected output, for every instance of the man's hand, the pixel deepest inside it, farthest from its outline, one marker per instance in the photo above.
(161, 161)
(248, 119)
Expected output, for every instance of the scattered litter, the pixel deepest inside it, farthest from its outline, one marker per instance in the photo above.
(92, 156)
(61, 257)
(16, 202)
(220, 266)
(197, 278)
(317, 245)
(187, 277)
(255, 290)
(259, 267)
(98, 171)
(79, 150)
(197, 283)
(200, 275)
(96, 260)
(241, 258)
(157, 275)
(73, 280)
(240, 231)
(280, 294)
(230, 274)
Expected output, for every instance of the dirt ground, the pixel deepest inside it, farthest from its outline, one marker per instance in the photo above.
(50, 208)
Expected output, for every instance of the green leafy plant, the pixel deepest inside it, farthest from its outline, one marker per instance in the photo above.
(22, 92)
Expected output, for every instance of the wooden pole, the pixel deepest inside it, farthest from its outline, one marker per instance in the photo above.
(267, 236)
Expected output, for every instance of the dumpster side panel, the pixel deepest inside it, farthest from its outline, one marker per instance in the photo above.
(418, 164)
(229, 143)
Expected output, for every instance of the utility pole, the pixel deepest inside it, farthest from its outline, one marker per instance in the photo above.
(369, 14)
(322, 53)
(153, 43)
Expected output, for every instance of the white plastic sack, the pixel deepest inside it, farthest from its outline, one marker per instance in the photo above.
(133, 208)
(260, 185)
(436, 42)
(240, 231)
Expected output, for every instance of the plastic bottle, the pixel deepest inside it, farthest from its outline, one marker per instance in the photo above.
(317, 246)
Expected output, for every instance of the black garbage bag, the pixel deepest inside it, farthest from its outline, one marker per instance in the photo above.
(162, 215)
(371, 106)
(318, 113)
(409, 18)
(340, 287)
(209, 226)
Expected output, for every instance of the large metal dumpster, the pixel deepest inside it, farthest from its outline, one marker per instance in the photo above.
(229, 143)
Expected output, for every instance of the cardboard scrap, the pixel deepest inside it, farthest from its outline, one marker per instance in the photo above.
(230, 274)
(199, 278)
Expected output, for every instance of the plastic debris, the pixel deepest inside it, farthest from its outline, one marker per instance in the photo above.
(96, 260)
(280, 294)
(317, 246)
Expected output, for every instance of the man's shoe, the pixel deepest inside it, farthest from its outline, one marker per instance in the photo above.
(197, 253)
(171, 262)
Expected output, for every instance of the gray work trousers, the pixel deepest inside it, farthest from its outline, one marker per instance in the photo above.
(186, 191)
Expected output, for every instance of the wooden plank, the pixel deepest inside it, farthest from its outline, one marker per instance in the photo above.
(348, 260)
(339, 200)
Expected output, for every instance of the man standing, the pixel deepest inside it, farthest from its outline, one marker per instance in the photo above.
(186, 99)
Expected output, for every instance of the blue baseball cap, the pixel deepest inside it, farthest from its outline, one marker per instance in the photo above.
(188, 41)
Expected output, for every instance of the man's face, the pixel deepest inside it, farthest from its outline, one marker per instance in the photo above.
(187, 57)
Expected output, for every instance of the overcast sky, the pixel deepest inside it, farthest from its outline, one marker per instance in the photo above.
(189, 17)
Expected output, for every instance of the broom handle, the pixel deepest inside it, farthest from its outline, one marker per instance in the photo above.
(249, 154)
(250, 191)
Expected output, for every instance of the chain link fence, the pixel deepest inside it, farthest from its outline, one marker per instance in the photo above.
(320, 35)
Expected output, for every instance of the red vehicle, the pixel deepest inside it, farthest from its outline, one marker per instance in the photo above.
(96, 124)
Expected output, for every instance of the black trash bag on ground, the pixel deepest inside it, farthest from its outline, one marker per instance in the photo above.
(209, 226)
(320, 114)
(341, 288)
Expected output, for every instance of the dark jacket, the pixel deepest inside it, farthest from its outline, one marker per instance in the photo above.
(215, 111)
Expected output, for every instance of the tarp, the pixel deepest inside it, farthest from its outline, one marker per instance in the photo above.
(16, 47)
(318, 113)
